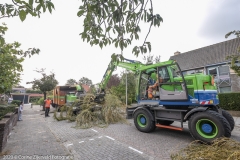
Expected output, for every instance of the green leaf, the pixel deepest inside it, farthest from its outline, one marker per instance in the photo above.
(32, 13)
(51, 4)
(106, 8)
(3, 11)
(38, 7)
(116, 44)
(96, 41)
(44, 8)
(108, 29)
(130, 6)
(136, 2)
(121, 44)
(30, 2)
(105, 42)
(125, 6)
(145, 50)
(149, 46)
(88, 38)
(80, 13)
(9, 11)
(101, 44)
(22, 15)
(49, 8)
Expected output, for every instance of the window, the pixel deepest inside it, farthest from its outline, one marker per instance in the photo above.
(163, 73)
(225, 89)
(143, 85)
(221, 77)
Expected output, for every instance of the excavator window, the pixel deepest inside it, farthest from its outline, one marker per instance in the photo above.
(144, 83)
(163, 74)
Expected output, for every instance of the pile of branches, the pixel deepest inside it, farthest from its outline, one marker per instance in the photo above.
(94, 114)
(220, 149)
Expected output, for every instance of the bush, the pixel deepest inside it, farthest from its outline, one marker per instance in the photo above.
(34, 91)
(16, 102)
(6, 109)
(40, 101)
(34, 100)
(229, 101)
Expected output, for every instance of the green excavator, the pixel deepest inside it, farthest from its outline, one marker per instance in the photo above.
(175, 98)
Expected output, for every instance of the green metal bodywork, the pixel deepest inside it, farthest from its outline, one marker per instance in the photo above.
(71, 96)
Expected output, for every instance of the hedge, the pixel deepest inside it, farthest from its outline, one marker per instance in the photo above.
(6, 109)
(17, 102)
(229, 101)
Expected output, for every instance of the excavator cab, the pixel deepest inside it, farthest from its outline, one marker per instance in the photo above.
(170, 87)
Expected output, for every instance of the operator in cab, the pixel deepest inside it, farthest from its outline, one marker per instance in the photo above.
(152, 89)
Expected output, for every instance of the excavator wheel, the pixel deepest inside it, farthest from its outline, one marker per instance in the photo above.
(143, 121)
(229, 118)
(208, 125)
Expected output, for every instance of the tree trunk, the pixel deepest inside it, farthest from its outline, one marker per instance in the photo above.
(45, 97)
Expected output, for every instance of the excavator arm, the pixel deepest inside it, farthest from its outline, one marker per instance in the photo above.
(128, 64)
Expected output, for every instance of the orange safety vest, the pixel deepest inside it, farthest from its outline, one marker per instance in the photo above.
(47, 103)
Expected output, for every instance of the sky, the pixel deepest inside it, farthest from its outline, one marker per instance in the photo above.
(187, 25)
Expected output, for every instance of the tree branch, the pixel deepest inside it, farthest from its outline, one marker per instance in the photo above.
(16, 3)
(150, 24)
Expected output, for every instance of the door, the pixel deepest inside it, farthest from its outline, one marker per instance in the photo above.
(172, 86)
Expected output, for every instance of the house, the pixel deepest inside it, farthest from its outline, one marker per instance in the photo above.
(211, 60)
(18, 90)
(85, 87)
(24, 97)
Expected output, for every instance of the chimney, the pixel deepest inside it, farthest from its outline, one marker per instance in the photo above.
(177, 53)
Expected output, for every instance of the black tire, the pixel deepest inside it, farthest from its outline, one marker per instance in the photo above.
(165, 122)
(208, 125)
(143, 121)
(229, 118)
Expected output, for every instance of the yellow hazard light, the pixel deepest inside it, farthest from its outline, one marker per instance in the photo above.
(211, 101)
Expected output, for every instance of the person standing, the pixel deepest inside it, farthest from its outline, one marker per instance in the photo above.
(10, 99)
(47, 106)
(20, 110)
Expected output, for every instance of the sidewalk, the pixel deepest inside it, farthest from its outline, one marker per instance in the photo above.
(32, 136)
(237, 121)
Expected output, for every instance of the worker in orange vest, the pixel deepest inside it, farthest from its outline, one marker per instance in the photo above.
(47, 106)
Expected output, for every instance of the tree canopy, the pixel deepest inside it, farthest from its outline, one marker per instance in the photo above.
(85, 80)
(44, 84)
(113, 81)
(22, 8)
(105, 22)
(11, 56)
(71, 82)
(117, 22)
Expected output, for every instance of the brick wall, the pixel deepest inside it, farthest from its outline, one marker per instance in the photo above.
(6, 125)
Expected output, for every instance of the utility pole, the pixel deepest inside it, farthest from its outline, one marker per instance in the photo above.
(126, 89)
